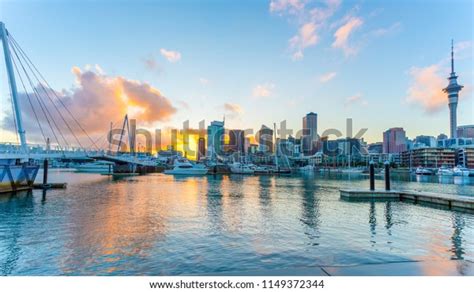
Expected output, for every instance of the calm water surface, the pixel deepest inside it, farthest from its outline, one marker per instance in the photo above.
(165, 225)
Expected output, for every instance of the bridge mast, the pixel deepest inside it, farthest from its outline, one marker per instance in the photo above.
(13, 89)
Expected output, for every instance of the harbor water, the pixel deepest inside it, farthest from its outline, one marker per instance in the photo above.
(161, 224)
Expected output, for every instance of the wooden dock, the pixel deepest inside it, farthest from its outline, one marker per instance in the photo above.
(447, 200)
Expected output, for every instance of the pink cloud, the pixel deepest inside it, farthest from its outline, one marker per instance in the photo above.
(343, 33)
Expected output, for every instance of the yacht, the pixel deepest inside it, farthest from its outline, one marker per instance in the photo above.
(95, 167)
(307, 168)
(423, 171)
(445, 171)
(241, 168)
(182, 166)
(460, 171)
(260, 170)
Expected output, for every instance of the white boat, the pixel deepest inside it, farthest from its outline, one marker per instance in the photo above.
(241, 168)
(351, 170)
(182, 166)
(261, 170)
(307, 168)
(95, 167)
(445, 171)
(423, 171)
(460, 171)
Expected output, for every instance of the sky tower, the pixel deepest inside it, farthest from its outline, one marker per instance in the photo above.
(453, 93)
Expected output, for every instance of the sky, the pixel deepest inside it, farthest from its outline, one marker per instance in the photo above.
(381, 63)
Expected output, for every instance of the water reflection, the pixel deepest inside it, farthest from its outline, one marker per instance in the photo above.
(165, 225)
(310, 210)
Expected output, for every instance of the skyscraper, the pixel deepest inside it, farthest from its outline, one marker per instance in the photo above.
(310, 132)
(215, 139)
(201, 148)
(394, 140)
(265, 139)
(237, 141)
(453, 94)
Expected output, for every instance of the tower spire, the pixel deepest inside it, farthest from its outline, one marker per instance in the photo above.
(452, 56)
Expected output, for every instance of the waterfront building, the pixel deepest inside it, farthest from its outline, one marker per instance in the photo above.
(429, 157)
(427, 141)
(375, 148)
(455, 142)
(452, 90)
(394, 140)
(465, 157)
(310, 133)
(442, 137)
(201, 148)
(252, 149)
(215, 139)
(236, 141)
(265, 139)
(466, 131)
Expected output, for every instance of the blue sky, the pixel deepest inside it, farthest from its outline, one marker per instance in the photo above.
(258, 62)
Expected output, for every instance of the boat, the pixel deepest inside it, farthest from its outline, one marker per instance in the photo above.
(461, 171)
(307, 168)
(241, 168)
(423, 171)
(182, 166)
(351, 170)
(445, 171)
(95, 167)
(260, 170)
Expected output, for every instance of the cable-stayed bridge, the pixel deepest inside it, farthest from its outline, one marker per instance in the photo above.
(55, 124)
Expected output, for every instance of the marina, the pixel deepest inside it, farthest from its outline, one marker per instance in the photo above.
(228, 225)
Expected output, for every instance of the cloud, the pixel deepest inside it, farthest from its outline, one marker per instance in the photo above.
(289, 6)
(380, 32)
(306, 37)
(356, 99)
(171, 56)
(343, 33)
(97, 100)
(327, 77)
(263, 90)
(311, 17)
(233, 109)
(426, 88)
(427, 83)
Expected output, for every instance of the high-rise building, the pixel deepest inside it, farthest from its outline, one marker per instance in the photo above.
(265, 139)
(375, 148)
(428, 157)
(427, 141)
(215, 139)
(201, 148)
(310, 133)
(394, 140)
(236, 141)
(453, 94)
(466, 131)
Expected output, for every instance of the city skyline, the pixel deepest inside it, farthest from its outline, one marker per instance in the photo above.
(296, 63)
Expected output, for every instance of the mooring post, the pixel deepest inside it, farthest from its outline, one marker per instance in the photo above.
(387, 176)
(372, 175)
(45, 172)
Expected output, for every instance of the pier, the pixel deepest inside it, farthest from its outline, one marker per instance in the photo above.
(447, 200)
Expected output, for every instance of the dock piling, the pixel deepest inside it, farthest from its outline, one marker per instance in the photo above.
(45, 172)
(372, 175)
(387, 176)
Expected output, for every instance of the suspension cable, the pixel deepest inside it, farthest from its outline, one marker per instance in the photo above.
(50, 99)
(54, 92)
(42, 105)
(29, 100)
